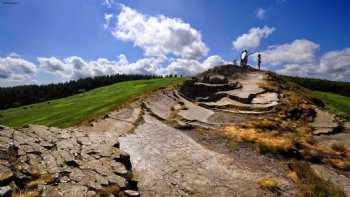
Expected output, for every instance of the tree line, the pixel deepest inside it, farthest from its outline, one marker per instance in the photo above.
(29, 94)
(337, 87)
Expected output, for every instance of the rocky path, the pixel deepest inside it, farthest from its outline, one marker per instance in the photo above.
(167, 162)
(170, 162)
(167, 144)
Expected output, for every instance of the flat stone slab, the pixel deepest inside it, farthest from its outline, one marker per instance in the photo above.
(334, 139)
(324, 123)
(249, 85)
(168, 162)
(161, 104)
(331, 175)
(266, 98)
(226, 103)
(119, 122)
(56, 161)
(194, 112)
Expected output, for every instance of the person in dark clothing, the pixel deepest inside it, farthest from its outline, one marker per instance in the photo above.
(259, 61)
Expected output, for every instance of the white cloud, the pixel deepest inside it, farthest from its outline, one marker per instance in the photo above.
(108, 18)
(261, 13)
(299, 51)
(159, 35)
(75, 67)
(253, 38)
(299, 59)
(188, 67)
(108, 3)
(304, 70)
(335, 65)
(51, 64)
(14, 70)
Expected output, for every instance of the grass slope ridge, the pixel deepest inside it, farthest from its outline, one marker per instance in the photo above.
(337, 87)
(335, 103)
(72, 110)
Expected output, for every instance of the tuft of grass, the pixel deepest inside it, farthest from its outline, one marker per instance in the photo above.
(339, 147)
(46, 179)
(267, 142)
(75, 109)
(268, 183)
(33, 193)
(110, 190)
(335, 103)
(233, 146)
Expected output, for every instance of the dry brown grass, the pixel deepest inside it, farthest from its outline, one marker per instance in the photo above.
(339, 147)
(45, 179)
(108, 191)
(33, 193)
(340, 164)
(267, 142)
(268, 183)
(293, 176)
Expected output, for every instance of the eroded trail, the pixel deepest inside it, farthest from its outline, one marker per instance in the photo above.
(196, 140)
(169, 163)
(188, 141)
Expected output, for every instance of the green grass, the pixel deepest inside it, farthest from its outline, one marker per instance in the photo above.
(335, 103)
(75, 109)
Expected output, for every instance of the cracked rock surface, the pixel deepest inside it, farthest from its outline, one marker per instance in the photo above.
(167, 162)
(62, 162)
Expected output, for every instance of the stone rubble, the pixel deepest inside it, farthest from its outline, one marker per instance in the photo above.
(63, 162)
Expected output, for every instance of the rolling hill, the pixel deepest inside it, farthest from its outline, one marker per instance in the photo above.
(72, 110)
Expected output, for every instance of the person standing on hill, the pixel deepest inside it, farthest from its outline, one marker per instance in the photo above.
(244, 58)
(259, 61)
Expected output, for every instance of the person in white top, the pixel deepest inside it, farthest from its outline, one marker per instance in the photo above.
(244, 58)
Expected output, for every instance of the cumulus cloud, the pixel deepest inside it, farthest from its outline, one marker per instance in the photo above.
(188, 67)
(335, 65)
(170, 45)
(301, 70)
(51, 64)
(14, 70)
(299, 51)
(299, 58)
(253, 38)
(75, 67)
(159, 35)
(261, 13)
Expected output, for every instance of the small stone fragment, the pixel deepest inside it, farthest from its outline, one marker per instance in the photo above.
(5, 174)
(132, 193)
(5, 191)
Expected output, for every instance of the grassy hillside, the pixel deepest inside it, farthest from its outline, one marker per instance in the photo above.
(335, 103)
(72, 110)
(337, 87)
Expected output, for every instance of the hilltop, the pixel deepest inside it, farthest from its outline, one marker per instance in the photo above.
(229, 131)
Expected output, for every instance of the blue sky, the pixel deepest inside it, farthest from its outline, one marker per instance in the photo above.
(58, 40)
